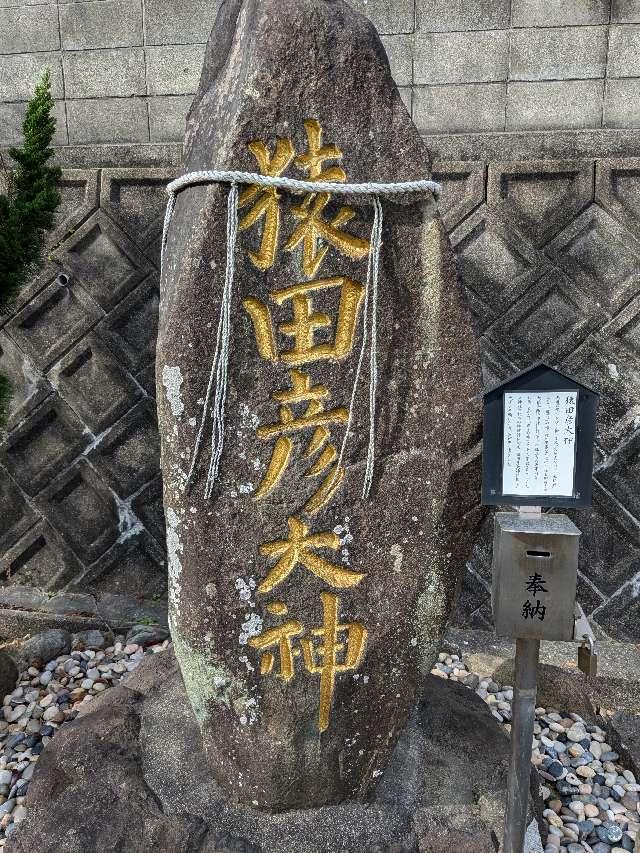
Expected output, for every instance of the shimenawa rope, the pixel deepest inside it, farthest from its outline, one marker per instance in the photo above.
(218, 377)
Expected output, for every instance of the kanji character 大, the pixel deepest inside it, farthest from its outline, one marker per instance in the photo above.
(299, 549)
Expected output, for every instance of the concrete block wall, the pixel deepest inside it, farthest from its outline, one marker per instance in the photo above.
(125, 70)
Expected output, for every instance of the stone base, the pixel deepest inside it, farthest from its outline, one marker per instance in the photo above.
(129, 774)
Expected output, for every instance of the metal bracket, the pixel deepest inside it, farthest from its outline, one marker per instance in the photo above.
(582, 630)
(583, 634)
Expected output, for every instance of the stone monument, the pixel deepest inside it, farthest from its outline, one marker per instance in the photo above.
(304, 614)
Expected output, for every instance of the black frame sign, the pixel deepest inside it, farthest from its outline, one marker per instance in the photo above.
(539, 431)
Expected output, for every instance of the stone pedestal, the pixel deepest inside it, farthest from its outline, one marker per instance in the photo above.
(130, 773)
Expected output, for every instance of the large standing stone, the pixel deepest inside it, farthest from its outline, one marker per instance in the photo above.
(304, 626)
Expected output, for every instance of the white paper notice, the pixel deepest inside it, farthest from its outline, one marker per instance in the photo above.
(539, 443)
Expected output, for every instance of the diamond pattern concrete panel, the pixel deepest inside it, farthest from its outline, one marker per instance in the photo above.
(30, 386)
(550, 321)
(78, 189)
(106, 261)
(53, 321)
(147, 506)
(495, 262)
(618, 190)
(551, 268)
(135, 565)
(84, 511)
(128, 456)
(17, 513)
(94, 383)
(463, 189)
(131, 328)
(538, 196)
(43, 444)
(41, 558)
(137, 202)
(601, 256)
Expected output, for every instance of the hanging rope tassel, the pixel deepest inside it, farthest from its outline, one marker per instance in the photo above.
(370, 300)
(220, 365)
(373, 362)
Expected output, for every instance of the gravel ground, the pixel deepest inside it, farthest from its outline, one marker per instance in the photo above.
(591, 800)
(47, 697)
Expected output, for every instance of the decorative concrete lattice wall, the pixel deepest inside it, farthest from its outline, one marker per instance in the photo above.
(550, 255)
(80, 483)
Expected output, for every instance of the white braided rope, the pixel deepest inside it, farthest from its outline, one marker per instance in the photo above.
(210, 176)
(373, 367)
(214, 176)
(217, 436)
(219, 368)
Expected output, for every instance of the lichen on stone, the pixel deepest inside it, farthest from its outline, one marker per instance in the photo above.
(174, 549)
(172, 381)
(208, 683)
(431, 606)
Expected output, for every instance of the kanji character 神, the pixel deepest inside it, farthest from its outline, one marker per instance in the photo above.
(341, 649)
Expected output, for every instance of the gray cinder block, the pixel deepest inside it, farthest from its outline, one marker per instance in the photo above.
(554, 104)
(445, 16)
(19, 73)
(28, 29)
(109, 23)
(624, 52)
(447, 109)
(168, 22)
(544, 13)
(167, 117)
(102, 73)
(468, 57)
(107, 120)
(622, 103)
(399, 49)
(174, 69)
(557, 53)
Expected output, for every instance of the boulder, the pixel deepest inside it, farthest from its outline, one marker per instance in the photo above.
(305, 610)
(624, 735)
(42, 648)
(147, 635)
(8, 673)
(130, 773)
(91, 639)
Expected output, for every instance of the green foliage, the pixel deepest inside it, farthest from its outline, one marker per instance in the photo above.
(27, 208)
(28, 203)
